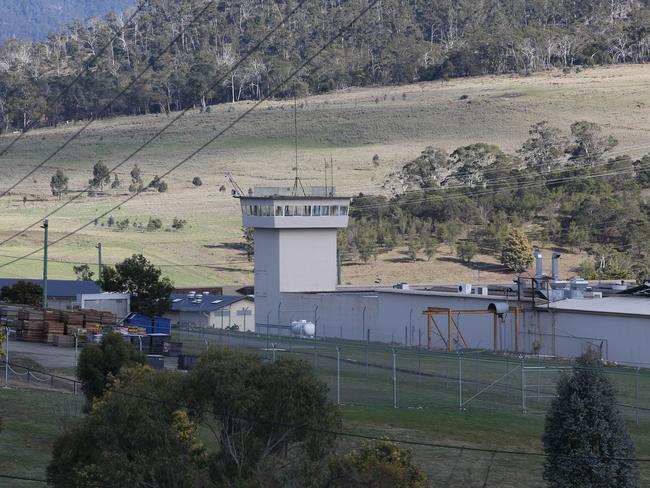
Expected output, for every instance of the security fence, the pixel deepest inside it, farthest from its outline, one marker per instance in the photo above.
(367, 373)
(12, 374)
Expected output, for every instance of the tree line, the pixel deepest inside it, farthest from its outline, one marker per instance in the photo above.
(569, 188)
(398, 41)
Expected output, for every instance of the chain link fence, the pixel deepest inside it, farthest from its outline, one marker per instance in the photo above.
(367, 373)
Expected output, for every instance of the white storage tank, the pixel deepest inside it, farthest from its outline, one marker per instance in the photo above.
(303, 328)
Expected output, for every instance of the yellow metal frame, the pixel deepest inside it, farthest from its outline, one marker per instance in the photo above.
(431, 311)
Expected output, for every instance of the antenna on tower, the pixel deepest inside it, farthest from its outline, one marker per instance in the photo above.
(332, 173)
(296, 182)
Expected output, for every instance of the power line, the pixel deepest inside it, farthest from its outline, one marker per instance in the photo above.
(309, 60)
(88, 65)
(493, 190)
(501, 181)
(21, 478)
(115, 98)
(170, 123)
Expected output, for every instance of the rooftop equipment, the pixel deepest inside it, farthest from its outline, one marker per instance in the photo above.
(539, 264)
(555, 273)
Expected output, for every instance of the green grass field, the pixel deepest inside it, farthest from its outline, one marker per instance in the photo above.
(31, 421)
(349, 127)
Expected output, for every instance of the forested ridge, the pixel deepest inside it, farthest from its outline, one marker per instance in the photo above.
(35, 19)
(397, 41)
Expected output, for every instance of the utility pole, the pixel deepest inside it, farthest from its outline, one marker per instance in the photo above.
(99, 251)
(45, 228)
(338, 268)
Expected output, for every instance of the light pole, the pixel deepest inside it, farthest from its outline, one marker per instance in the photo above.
(99, 261)
(76, 348)
(45, 228)
(7, 356)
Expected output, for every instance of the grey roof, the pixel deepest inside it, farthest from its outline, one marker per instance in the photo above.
(58, 288)
(209, 303)
(620, 305)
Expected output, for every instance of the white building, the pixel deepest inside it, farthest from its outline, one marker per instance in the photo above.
(295, 279)
(216, 311)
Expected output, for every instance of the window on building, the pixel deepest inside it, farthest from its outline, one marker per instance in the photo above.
(278, 211)
(288, 211)
(344, 210)
(334, 210)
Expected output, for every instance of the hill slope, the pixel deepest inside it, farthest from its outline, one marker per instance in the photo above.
(35, 19)
(349, 126)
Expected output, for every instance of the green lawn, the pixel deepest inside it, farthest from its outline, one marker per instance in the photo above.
(33, 419)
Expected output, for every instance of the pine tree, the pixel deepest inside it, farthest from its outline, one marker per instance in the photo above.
(517, 253)
(585, 440)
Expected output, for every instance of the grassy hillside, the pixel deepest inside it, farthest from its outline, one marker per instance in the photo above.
(350, 127)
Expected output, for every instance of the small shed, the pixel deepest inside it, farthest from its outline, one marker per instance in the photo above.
(216, 311)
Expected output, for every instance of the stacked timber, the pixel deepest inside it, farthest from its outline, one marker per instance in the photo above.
(108, 319)
(9, 314)
(92, 320)
(54, 325)
(74, 322)
(30, 326)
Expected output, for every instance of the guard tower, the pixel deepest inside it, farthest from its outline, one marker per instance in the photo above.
(295, 243)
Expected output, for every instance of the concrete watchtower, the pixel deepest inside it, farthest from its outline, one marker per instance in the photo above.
(295, 243)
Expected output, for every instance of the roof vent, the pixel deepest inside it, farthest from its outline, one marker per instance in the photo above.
(465, 288)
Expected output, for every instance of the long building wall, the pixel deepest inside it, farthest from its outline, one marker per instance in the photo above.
(397, 317)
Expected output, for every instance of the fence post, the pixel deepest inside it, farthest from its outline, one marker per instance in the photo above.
(419, 365)
(74, 388)
(636, 395)
(315, 350)
(394, 378)
(523, 385)
(460, 381)
(338, 375)
(367, 342)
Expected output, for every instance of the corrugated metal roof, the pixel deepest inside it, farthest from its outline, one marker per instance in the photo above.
(209, 303)
(624, 305)
(58, 288)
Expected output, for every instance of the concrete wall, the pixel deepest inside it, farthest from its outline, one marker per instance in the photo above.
(623, 339)
(397, 317)
(119, 304)
(307, 260)
(291, 260)
(61, 303)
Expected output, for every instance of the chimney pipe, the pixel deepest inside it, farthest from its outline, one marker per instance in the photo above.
(539, 270)
(556, 266)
